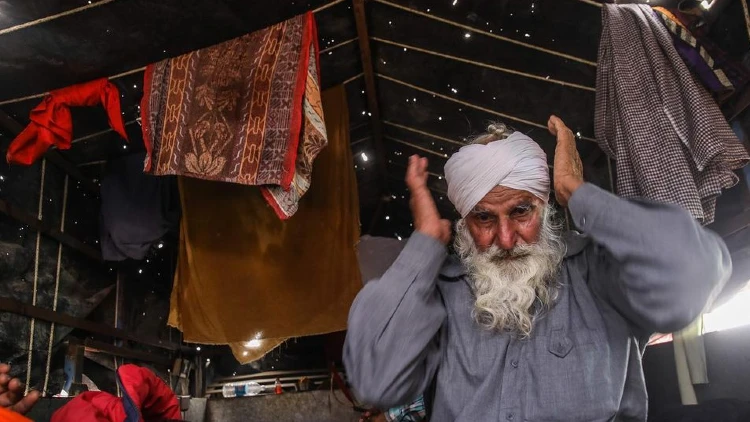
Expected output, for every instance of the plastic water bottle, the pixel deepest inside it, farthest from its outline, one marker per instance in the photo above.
(278, 389)
(242, 389)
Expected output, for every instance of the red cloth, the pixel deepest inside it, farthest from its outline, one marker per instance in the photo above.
(51, 122)
(145, 398)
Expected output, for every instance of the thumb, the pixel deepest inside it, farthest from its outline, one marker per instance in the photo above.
(551, 125)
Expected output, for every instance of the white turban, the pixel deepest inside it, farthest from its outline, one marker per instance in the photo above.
(516, 162)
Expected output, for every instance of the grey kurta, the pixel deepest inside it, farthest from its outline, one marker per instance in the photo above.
(641, 268)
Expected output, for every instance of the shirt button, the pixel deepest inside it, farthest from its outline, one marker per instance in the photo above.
(583, 221)
(510, 416)
(514, 363)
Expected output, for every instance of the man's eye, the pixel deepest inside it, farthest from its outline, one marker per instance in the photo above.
(521, 211)
(484, 218)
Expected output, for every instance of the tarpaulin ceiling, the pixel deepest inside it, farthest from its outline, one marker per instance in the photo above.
(444, 69)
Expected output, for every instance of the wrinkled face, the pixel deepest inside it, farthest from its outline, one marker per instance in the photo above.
(507, 218)
(511, 247)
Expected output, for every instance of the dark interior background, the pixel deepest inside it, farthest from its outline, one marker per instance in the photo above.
(443, 71)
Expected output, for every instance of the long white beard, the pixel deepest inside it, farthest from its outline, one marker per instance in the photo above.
(506, 289)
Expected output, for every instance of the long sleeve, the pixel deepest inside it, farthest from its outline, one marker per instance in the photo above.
(662, 266)
(391, 351)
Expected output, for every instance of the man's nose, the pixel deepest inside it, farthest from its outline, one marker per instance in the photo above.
(506, 236)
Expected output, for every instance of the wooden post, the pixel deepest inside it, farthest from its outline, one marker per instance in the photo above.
(372, 94)
(74, 368)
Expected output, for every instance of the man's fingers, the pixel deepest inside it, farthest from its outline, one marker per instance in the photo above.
(12, 393)
(9, 398)
(26, 403)
(15, 385)
(420, 165)
(555, 125)
(411, 170)
(416, 172)
(4, 380)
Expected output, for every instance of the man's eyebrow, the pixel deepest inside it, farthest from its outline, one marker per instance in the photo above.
(480, 210)
(524, 204)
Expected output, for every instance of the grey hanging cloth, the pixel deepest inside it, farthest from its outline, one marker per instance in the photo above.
(137, 209)
(669, 139)
(376, 255)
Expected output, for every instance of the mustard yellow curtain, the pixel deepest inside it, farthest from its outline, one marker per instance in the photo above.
(250, 280)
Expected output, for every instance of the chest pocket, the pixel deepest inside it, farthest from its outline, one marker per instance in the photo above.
(568, 377)
(568, 373)
(559, 343)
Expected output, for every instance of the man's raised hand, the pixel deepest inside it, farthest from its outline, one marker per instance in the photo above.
(568, 171)
(423, 209)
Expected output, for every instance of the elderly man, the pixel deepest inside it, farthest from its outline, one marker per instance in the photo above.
(526, 324)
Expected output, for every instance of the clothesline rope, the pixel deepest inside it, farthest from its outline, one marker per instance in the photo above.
(57, 286)
(427, 150)
(102, 132)
(19, 99)
(432, 188)
(485, 65)
(126, 73)
(130, 72)
(428, 134)
(439, 176)
(41, 95)
(326, 6)
(102, 3)
(341, 44)
(53, 17)
(32, 323)
(423, 149)
(117, 324)
(486, 33)
(353, 78)
(359, 141)
(474, 106)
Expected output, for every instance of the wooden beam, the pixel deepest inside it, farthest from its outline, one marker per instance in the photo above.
(31, 311)
(74, 367)
(49, 230)
(372, 94)
(127, 353)
(433, 189)
(53, 156)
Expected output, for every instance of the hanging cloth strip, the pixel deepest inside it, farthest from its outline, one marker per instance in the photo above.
(730, 64)
(245, 111)
(248, 279)
(137, 209)
(52, 124)
(669, 139)
(698, 53)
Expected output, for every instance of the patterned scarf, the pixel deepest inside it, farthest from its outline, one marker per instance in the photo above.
(245, 111)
